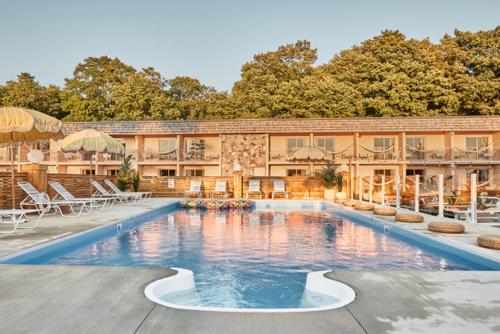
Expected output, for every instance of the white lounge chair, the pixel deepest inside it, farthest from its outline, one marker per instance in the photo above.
(220, 189)
(92, 202)
(17, 216)
(254, 188)
(124, 199)
(194, 189)
(43, 204)
(279, 188)
(117, 191)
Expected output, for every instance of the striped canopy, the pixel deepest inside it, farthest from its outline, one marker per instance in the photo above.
(21, 124)
(90, 140)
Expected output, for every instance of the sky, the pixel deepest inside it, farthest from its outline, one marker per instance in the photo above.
(211, 39)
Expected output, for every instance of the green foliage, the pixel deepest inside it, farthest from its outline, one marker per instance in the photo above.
(339, 181)
(125, 174)
(135, 181)
(388, 75)
(328, 175)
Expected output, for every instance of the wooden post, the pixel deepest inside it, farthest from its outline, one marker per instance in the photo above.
(370, 190)
(37, 176)
(398, 192)
(417, 193)
(360, 187)
(238, 184)
(473, 198)
(382, 191)
(441, 195)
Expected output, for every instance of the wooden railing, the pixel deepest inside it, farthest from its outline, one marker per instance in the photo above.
(6, 189)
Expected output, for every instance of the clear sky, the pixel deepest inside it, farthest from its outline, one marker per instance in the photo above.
(209, 40)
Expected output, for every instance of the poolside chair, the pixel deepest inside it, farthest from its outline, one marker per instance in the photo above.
(254, 188)
(117, 191)
(43, 204)
(18, 216)
(279, 188)
(123, 198)
(220, 189)
(92, 202)
(194, 189)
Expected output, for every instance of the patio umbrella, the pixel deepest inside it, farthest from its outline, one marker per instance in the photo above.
(91, 141)
(21, 124)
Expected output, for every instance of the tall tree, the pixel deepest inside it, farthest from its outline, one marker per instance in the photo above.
(88, 94)
(189, 98)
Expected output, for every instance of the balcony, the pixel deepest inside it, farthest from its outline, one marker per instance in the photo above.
(151, 155)
(200, 156)
(421, 156)
(389, 154)
(462, 155)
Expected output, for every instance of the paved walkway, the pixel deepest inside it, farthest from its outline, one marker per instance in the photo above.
(71, 299)
(54, 227)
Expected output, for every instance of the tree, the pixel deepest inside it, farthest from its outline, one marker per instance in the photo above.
(142, 96)
(189, 98)
(88, 95)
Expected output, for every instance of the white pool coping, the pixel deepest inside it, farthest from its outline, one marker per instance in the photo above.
(316, 282)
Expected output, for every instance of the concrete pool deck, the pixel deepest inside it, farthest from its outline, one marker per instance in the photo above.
(73, 299)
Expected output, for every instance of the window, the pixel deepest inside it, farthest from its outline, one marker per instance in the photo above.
(112, 172)
(412, 172)
(195, 149)
(293, 144)
(386, 172)
(167, 172)
(483, 175)
(167, 149)
(194, 172)
(87, 171)
(296, 172)
(326, 144)
(383, 146)
(415, 148)
(476, 147)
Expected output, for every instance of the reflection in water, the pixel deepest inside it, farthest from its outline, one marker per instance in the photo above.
(255, 258)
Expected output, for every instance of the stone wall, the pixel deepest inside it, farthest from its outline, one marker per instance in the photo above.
(248, 149)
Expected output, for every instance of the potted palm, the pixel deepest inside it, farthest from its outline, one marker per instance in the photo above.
(339, 181)
(329, 178)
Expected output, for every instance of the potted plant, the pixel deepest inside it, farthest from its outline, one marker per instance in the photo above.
(329, 178)
(339, 181)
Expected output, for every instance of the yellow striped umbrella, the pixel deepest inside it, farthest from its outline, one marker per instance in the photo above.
(22, 124)
(92, 141)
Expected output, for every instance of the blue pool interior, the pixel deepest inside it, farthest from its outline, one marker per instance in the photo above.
(255, 258)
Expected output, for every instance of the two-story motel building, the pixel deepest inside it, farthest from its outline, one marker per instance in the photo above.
(268, 147)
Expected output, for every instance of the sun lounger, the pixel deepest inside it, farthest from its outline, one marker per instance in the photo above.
(117, 191)
(194, 189)
(254, 188)
(220, 189)
(92, 202)
(17, 216)
(44, 204)
(123, 198)
(279, 188)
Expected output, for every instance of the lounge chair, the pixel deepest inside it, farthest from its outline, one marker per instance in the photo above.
(117, 191)
(18, 216)
(43, 204)
(279, 188)
(220, 189)
(93, 202)
(254, 188)
(194, 189)
(124, 199)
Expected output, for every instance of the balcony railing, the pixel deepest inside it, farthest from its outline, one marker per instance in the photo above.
(200, 156)
(479, 155)
(159, 156)
(425, 156)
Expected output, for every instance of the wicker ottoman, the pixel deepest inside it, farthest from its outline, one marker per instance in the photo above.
(385, 211)
(409, 218)
(350, 203)
(446, 227)
(489, 241)
(364, 207)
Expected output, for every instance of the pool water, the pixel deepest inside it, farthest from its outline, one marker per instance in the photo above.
(257, 258)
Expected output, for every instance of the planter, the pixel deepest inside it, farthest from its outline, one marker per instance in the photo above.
(340, 195)
(329, 194)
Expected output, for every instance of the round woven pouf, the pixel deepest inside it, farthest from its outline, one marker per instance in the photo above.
(385, 211)
(489, 241)
(350, 203)
(409, 218)
(364, 207)
(446, 227)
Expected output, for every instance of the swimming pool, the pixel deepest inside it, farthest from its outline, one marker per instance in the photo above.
(254, 259)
